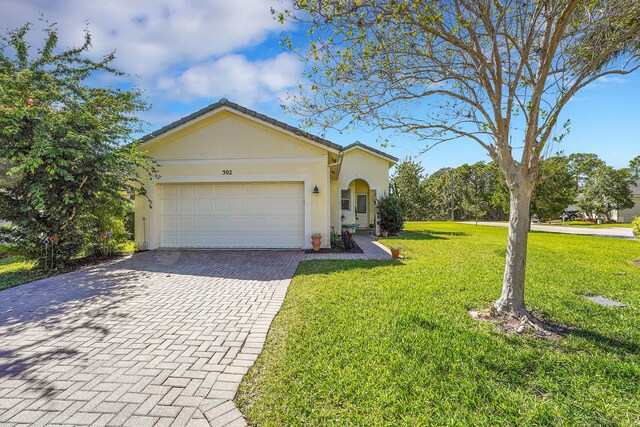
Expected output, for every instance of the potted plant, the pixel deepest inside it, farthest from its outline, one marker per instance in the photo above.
(316, 241)
(395, 252)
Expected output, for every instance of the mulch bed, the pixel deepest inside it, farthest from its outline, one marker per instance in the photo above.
(87, 262)
(336, 250)
(535, 326)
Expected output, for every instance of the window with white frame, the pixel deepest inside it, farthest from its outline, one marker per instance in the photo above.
(346, 200)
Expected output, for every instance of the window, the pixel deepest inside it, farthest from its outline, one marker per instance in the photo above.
(346, 200)
(361, 203)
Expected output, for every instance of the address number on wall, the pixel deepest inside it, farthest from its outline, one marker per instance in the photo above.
(227, 172)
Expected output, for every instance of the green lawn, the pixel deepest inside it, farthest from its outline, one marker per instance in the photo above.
(15, 271)
(374, 343)
(590, 225)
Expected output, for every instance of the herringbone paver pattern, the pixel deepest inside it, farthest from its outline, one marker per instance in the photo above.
(162, 338)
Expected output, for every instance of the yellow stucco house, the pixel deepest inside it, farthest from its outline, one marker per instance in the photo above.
(233, 178)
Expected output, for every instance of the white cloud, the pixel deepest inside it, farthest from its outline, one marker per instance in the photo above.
(177, 51)
(152, 35)
(234, 76)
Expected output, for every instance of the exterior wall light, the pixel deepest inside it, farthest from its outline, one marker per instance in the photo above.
(315, 190)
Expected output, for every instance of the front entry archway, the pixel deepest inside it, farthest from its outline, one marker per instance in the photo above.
(358, 202)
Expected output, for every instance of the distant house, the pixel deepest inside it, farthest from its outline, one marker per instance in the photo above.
(627, 215)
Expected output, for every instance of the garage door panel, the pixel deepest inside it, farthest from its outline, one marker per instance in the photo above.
(186, 191)
(204, 206)
(204, 191)
(232, 215)
(170, 207)
(186, 207)
(204, 223)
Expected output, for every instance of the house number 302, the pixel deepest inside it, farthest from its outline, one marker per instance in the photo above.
(226, 172)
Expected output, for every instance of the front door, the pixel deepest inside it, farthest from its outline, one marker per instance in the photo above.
(361, 210)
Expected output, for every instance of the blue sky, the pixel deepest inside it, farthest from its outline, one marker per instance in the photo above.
(186, 54)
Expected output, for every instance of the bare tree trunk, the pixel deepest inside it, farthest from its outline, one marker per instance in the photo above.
(512, 299)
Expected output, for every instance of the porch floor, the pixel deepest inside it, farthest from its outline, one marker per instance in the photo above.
(371, 249)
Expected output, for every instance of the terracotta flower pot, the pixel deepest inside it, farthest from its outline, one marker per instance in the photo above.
(395, 253)
(315, 242)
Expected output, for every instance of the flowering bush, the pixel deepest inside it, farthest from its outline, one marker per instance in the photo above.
(66, 155)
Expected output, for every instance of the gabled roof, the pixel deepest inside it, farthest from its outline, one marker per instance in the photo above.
(225, 103)
(372, 150)
(232, 105)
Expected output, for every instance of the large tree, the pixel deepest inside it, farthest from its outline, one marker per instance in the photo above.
(474, 69)
(606, 190)
(405, 184)
(477, 183)
(634, 167)
(65, 144)
(444, 191)
(555, 190)
(582, 166)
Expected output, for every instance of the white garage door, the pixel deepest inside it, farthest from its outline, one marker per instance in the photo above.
(232, 215)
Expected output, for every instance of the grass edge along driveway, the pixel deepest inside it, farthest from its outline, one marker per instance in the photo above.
(15, 270)
(391, 343)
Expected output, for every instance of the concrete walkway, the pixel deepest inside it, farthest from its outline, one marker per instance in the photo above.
(163, 338)
(616, 232)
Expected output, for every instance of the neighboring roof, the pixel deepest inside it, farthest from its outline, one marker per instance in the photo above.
(226, 103)
(635, 188)
(365, 147)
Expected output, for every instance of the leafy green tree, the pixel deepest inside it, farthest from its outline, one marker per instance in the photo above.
(634, 167)
(66, 145)
(442, 189)
(606, 190)
(405, 184)
(555, 190)
(472, 69)
(582, 166)
(476, 193)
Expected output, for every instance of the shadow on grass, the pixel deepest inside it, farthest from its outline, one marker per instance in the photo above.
(605, 343)
(327, 266)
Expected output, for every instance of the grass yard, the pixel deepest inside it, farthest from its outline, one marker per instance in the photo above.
(16, 271)
(376, 343)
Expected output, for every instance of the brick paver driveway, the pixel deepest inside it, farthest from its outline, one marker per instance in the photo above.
(163, 338)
